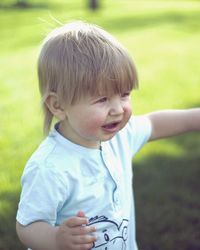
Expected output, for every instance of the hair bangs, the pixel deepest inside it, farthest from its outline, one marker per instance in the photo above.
(117, 75)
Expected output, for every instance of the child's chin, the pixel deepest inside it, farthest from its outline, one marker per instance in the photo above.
(108, 137)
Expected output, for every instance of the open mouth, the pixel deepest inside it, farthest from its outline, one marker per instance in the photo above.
(111, 126)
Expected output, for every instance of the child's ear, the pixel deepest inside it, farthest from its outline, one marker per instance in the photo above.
(55, 107)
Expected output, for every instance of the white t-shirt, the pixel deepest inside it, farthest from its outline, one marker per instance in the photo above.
(62, 178)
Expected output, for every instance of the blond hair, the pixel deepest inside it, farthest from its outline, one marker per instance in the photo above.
(78, 59)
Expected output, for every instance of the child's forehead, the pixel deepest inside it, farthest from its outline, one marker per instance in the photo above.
(103, 93)
(109, 93)
(113, 87)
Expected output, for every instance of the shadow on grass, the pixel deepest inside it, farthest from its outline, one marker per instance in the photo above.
(183, 19)
(8, 237)
(23, 6)
(167, 198)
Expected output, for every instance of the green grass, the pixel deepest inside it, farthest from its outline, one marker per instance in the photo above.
(163, 37)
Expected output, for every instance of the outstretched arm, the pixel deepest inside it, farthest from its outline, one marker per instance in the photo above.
(168, 123)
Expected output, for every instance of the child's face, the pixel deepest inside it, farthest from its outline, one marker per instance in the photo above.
(95, 119)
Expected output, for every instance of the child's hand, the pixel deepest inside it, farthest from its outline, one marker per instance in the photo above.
(73, 234)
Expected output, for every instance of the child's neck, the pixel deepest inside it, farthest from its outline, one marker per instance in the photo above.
(65, 131)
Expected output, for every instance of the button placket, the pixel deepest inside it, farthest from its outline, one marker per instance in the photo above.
(112, 167)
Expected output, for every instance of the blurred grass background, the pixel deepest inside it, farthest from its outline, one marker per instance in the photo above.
(163, 37)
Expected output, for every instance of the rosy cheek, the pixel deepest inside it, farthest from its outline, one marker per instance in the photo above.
(127, 110)
(92, 124)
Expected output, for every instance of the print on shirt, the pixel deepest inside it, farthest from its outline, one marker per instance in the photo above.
(110, 234)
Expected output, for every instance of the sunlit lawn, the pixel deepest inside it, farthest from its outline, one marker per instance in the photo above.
(163, 37)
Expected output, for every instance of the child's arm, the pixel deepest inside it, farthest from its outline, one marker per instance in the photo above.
(173, 122)
(71, 235)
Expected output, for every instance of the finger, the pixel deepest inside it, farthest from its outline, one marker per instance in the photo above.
(84, 239)
(84, 246)
(80, 214)
(76, 221)
(83, 230)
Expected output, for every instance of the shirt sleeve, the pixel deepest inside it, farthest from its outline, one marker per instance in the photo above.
(43, 194)
(138, 132)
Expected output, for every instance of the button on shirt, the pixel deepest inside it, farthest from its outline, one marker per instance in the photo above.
(62, 178)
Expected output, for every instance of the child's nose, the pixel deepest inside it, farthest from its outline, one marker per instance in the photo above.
(116, 107)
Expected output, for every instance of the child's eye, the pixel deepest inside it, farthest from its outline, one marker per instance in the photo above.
(125, 94)
(101, 100)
